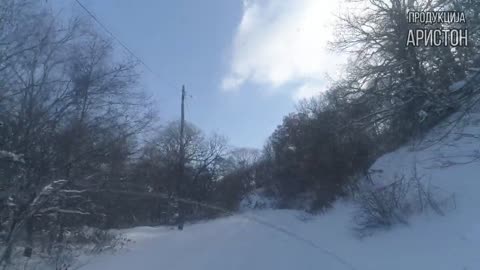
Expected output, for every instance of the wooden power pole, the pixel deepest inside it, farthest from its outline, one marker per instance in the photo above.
(181, 165)
(182, 128)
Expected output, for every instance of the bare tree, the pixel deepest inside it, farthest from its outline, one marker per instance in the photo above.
(203, 164)
(407, 86)
(68, 110)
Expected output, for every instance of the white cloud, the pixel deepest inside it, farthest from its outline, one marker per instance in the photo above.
(308, 90)
(280, 42)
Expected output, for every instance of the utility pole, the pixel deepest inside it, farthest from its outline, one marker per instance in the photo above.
(181, 165)
(182, 127)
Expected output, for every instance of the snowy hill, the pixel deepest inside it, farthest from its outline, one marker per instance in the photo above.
(285, 239)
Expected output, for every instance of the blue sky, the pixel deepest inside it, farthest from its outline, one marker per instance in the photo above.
(244, 63)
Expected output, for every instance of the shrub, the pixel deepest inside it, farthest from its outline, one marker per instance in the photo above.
(87, 241)
(384, 207)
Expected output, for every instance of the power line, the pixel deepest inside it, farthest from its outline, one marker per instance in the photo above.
(123, 45)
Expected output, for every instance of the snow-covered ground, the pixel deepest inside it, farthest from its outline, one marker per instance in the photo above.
(287, 239)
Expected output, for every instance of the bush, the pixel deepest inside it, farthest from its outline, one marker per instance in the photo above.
(64, 254)
(384, 207)
(98, 240)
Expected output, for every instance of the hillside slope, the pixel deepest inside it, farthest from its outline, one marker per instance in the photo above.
(285, 239)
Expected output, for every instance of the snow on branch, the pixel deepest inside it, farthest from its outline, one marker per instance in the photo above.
(9, 156)
(47, 191)
(64, 211)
